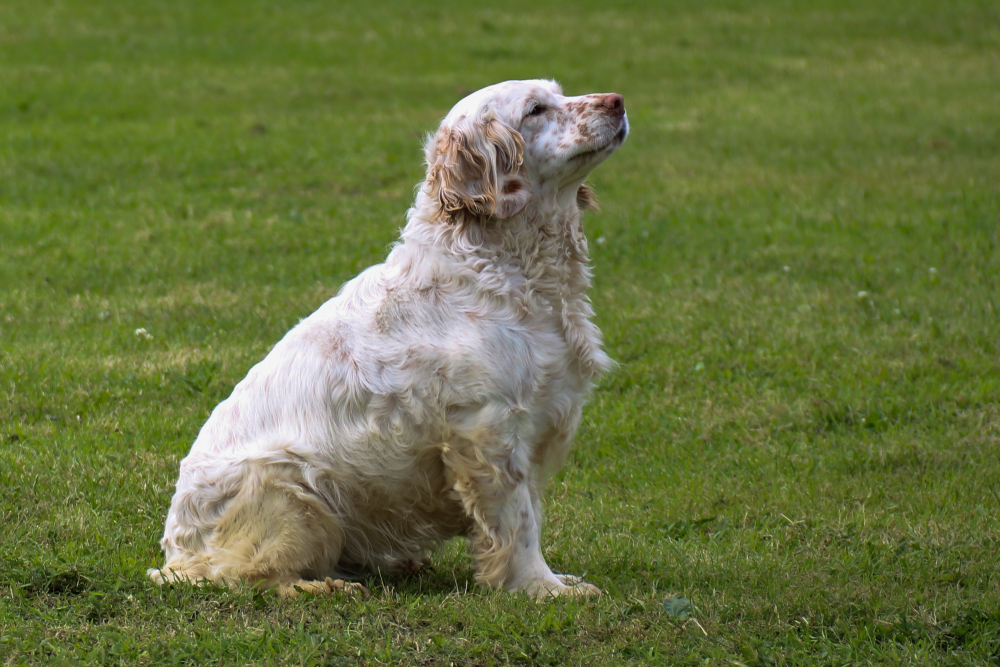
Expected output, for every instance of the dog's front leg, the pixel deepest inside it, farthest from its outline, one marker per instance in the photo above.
(494, 486)
(528, 570)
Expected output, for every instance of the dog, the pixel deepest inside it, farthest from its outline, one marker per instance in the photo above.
(437, 392)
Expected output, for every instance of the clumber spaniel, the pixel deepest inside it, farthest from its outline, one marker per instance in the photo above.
(435, 394)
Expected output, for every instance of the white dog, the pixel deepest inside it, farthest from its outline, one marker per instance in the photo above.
(437, 392)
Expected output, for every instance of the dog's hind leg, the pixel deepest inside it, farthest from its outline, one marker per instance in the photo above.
(276, 532)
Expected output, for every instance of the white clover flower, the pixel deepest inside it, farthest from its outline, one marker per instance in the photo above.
(862, 294)
(142, 334)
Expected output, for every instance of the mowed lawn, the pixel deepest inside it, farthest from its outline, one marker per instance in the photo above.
(797, 267)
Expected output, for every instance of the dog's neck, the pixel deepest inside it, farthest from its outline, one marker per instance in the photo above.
(537, 261)
(541, 251)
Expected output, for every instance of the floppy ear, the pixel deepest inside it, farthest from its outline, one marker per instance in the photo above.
(586, 199)
(473, 171)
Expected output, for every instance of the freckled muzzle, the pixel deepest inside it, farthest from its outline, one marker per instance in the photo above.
(606, 127)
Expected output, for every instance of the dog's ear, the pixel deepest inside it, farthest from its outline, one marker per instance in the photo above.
(474, 171)
(586, 200)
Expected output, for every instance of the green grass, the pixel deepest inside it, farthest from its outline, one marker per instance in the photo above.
(797, 267)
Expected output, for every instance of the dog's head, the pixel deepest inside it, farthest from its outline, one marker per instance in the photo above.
(517, 144)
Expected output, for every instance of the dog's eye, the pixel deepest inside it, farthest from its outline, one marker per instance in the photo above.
(537, 110)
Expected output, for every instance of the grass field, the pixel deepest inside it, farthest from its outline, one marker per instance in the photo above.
(797, 267)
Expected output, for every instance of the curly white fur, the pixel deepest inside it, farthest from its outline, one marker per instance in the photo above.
(435, 394)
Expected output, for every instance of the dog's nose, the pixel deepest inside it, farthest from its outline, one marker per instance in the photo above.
(615, 104)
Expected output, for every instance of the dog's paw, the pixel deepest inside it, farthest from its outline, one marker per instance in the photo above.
(566, 584)
(348, 587)
(326, 587)
(577, 586)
